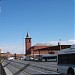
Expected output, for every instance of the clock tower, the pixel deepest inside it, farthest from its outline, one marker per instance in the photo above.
(28, 44)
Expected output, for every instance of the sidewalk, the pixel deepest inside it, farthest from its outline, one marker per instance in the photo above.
(2, 72)
(7, 71)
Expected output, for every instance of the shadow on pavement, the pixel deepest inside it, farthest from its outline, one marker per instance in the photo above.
(2, 71)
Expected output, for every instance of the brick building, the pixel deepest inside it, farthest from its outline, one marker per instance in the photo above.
(41, 49)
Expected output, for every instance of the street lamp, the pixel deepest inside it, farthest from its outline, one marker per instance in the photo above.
(60, 44)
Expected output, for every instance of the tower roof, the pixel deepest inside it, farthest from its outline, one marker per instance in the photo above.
(27, 36)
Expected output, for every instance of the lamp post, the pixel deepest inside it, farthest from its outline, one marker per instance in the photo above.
(60, 43)
(33, 54)
(39, 54)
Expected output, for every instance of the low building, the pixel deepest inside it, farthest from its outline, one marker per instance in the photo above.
(41, 49)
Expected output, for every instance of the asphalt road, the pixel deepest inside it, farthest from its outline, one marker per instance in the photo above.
(20, 67)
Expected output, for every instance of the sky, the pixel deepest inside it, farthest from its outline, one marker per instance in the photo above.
(47, 21)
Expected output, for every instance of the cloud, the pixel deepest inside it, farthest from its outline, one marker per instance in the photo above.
(53, 43)
(68, 42)
(12, 49)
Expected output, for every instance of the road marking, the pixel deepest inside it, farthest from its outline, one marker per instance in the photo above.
(37, 70)
(44, 67)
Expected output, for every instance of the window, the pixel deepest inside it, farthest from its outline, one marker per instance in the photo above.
(29, 40)
(66, 58)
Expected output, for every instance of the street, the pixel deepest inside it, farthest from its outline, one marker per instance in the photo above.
(21, 67)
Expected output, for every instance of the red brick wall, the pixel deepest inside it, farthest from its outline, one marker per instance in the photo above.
(27, 44)
(48, 50)
(38, 47)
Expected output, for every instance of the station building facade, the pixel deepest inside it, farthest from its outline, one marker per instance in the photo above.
(41, 49)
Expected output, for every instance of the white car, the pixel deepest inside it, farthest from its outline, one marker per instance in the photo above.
(11, 58)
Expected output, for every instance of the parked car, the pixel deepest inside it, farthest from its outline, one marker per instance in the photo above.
(10, 58)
